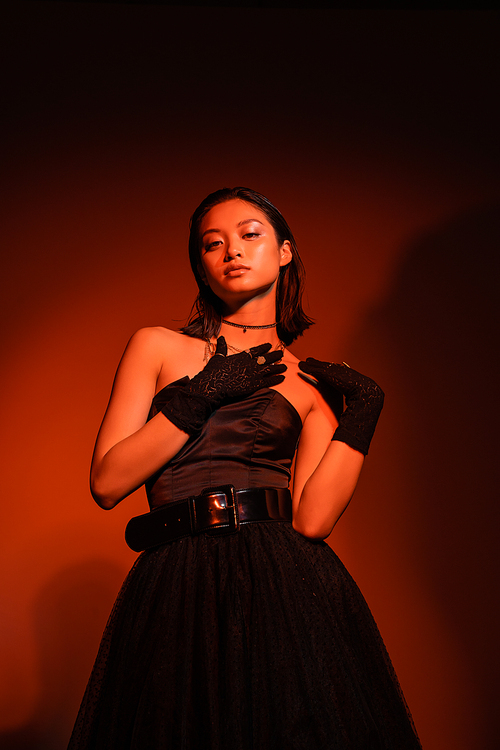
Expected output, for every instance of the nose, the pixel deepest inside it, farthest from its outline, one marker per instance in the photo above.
(234, 249)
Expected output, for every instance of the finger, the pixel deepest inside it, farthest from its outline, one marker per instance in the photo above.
(221, 347)
(274, 380)
(274, 356)
(319, 365)
(316, 362)
(256, 351)
(310, 367)
(274, 370)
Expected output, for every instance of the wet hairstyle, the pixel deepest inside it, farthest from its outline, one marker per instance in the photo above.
(206, 314)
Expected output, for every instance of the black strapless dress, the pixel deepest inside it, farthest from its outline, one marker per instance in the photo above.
(256, 640)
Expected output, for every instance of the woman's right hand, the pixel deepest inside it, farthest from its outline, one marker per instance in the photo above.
(223, 378)
(130, 448)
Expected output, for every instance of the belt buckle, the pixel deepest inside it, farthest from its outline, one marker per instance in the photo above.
(231, 505)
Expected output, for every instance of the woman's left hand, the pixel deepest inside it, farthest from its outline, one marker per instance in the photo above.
(364, 400)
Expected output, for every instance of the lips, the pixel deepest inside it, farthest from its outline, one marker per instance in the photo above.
(235, 267)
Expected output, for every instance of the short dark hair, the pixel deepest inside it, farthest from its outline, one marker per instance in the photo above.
(206, 314)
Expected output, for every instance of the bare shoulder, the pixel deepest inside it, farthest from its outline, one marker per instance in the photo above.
(147, 346)
(155, 337)
(176, 355)
(153, 352)
(164, 341)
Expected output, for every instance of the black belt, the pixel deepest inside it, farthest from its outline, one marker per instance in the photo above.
(217, 509)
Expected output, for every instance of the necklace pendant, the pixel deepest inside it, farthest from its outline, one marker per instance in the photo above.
(244, 330)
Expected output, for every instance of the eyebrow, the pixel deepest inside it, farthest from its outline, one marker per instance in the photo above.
(240, 224)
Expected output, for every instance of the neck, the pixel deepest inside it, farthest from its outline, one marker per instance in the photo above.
(255, 312)
(247, 326)
(249, 320)
(235, 337)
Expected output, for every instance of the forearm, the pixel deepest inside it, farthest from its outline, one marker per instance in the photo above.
(129, 463)
(327, 492)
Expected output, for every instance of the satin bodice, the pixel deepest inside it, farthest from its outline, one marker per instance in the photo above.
(247, 443)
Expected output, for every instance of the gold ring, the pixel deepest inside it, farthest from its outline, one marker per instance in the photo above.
(261, 360)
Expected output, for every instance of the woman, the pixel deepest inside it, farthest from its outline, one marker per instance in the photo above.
(238, 627)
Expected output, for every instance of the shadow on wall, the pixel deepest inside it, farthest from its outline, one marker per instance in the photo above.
(434, 344)
(68, 617)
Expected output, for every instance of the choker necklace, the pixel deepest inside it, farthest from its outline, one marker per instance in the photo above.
(210, 349)
(251, 328)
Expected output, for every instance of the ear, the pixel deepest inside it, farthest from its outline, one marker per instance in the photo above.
(285, 253)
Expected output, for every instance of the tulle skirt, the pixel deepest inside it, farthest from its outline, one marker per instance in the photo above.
(258, 640)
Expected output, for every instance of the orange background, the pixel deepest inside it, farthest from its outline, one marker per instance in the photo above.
(375, 134)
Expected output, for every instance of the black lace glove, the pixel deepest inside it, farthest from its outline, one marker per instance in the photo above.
(363, 401)
(223, 378)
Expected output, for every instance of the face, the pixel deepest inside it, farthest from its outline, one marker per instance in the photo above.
(239, 254)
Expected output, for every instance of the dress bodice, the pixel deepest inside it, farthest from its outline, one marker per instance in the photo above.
(247, 443)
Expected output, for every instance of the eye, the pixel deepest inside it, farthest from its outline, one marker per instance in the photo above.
(212, 245)
(251, 234)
